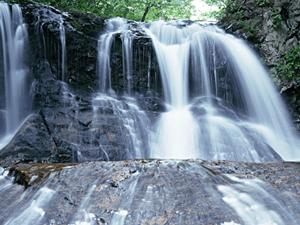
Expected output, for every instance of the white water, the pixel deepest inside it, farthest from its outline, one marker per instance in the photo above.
(63, 58)
(127, 57)
(134, 122)
(82, 216)
(34, 212)
(119, 216)
(5, 181)
(14, 40)
(114, 26)
(249, 199)
(263, 101)
(211, 134)
(176, 134)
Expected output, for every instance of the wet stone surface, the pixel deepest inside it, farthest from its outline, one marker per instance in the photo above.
(147, 192)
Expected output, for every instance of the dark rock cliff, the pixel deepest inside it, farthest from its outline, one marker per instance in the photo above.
(62, 121)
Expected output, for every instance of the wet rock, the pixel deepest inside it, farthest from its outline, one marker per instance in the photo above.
(32, 143)
(82, 33)
(67, 128)
(153, 192)
(33, 175)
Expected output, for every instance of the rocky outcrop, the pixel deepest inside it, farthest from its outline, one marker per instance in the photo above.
(61, 129)
(273, 27)
(151, 192)
(82, 34)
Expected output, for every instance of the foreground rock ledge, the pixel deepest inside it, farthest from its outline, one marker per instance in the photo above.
(147, 191)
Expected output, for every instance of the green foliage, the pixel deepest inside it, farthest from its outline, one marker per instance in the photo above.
(262, 3)
(131, 9)
(216, 14)
(288, 68)
(219, 3)
(248, 26)
(224, 6)
(277, 19)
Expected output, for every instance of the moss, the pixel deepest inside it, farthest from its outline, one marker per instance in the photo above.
(288, 67)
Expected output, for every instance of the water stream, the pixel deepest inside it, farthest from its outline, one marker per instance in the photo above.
(14, 77)
(255, 203)
(63, 55)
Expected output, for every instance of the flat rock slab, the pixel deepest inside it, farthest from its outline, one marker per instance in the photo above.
(151, 192)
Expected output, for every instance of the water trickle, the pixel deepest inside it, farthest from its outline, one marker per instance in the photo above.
(127, 58)
(119, 216)
(63, 55)
(133, 122)
(14, 77)
(34, 211)
(82, 216)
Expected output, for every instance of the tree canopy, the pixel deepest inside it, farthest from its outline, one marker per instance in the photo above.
(142, 10)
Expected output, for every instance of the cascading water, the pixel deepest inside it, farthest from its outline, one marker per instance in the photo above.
(114, 26)
(14, 75)
(255, 203)
(210, 126)
(127, 58)
(176, 135)
(63, 60)
(133, 121)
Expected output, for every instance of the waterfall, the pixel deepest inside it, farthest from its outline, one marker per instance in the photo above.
(178, 124)
(263, 102)
(114, 26)
(127, 58)
(210, 80)
(133, 121)
(63, 58)
(14, 41)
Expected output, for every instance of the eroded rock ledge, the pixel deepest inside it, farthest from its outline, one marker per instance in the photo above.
(152, 191)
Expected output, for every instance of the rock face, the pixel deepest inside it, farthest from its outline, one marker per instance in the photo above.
(273, 27)
(62, 125)
(82, 35)
(151, 192)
